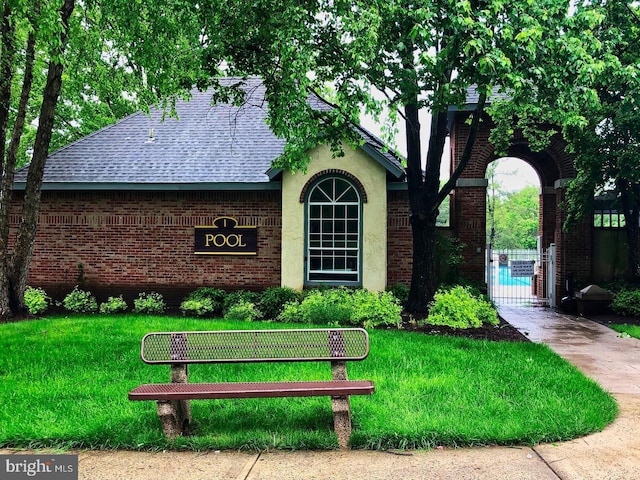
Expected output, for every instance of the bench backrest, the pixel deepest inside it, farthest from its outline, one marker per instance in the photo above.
(233, 346)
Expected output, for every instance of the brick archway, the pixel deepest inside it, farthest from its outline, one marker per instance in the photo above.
(554, 167)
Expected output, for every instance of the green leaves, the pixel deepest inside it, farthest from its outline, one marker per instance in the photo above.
(602, 123)
(515, 219)
(459, 307)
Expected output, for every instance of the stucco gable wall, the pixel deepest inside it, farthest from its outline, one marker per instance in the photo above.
(372, 177)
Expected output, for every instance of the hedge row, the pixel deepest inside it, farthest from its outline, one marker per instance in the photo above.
(457, 307)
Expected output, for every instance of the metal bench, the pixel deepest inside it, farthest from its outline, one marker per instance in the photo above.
(178, 349)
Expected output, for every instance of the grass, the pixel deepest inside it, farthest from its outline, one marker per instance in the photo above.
(65, 382)
(631, 330)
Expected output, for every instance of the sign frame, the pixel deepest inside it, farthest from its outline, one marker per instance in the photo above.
(225, 237)
(522, 268)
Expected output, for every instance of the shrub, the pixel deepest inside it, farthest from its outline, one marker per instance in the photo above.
(627, 302)
(197, 308)
(373, 309)
(150, 303)
(36, 300)
(80, 301)
(344, 306)
(459, 308)
(291, 313)
(114, 305)
(243, 311)
(273, 300)
(208, 295)
(322, 307)
(239, 296)
(449, 258)
(400, 291)
(204, 301)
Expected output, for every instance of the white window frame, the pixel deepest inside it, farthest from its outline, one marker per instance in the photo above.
(334, 255)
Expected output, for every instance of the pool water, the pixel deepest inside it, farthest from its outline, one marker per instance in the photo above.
(505, 278)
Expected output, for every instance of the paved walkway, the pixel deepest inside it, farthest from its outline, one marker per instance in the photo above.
(611, 454)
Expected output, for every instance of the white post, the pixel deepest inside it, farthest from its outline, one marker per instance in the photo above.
(489, 272)
(551, 274)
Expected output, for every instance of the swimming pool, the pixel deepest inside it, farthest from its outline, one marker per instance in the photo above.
(505, 278)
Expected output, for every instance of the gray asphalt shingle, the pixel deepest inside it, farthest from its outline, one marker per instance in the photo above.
(206, 144)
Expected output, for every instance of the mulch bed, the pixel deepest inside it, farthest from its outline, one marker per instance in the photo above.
(503, 332)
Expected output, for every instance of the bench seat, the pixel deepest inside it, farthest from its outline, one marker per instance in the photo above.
(202, 391)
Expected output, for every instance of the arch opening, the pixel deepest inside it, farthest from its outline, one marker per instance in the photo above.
(514, 230)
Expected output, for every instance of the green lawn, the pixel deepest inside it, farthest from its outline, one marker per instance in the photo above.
(65, 382)
(631, 330)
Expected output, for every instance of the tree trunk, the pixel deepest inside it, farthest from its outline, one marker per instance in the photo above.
(425, 197)
(423, 273)
(423, 214)
(27, 230)
(7, 55)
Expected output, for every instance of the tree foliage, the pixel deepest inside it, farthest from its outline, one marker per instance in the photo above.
(400, 57)
(66, 69)
(607, 144)
(602, 126)
(516, 220)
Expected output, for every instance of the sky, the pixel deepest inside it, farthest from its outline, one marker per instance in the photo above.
(515, 174)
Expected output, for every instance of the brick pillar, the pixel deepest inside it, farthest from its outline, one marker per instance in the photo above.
(547, 229)
(469, 222)
(573, 247)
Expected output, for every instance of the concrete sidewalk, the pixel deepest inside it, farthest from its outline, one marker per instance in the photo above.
(612, 361)
(611, 454)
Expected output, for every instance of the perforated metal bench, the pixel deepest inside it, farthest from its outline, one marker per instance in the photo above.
(179, 349)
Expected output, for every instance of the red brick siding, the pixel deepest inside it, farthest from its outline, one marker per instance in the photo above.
(470, 229)
(399, 239)
(141, 241)
(573, 250)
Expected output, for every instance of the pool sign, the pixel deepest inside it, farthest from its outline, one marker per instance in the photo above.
(225, 237)
(522, 268)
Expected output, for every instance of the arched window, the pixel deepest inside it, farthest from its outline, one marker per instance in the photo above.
(333, 243)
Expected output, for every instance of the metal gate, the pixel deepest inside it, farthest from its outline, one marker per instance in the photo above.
(521, 277)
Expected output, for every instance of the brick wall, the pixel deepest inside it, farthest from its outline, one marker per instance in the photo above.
(129, 242)
(469, 203)
(574, 249)
(470, 229)
(399, 239)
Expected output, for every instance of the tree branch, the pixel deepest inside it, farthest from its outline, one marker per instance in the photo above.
(631, 11)
(391, 102)
(7, 55)
(466, 154)
(12, 153)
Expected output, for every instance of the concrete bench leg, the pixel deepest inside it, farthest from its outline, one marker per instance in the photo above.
(342, 420)
(175, 417)
(341, 406)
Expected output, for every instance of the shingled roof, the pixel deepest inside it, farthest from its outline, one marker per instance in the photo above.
(206, 147)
